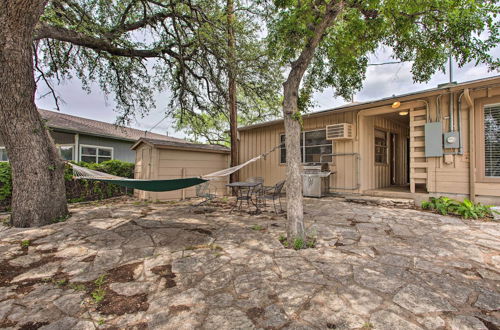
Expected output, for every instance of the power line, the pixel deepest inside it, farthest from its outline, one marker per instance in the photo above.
(385, 63)
(155, 125)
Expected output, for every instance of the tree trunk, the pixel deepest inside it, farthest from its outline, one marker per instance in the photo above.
(294, 205)
(233, 112)
(38, 195)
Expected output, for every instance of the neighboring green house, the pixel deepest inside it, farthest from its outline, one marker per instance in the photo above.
(82, 139)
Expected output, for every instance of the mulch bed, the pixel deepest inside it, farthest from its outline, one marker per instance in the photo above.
(9, 272)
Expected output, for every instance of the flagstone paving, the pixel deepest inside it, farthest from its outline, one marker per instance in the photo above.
(126, 264)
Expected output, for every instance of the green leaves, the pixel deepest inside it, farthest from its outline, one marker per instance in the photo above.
(466, 209)
(424, 32)
(5, 181)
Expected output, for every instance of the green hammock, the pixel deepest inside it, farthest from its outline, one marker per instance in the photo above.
(153, 185)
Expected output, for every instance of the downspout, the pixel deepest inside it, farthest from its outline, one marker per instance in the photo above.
(451, 112)
(459, 119)
(472, 151)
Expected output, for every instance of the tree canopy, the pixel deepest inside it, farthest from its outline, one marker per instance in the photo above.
(423, 32)
(135, 48)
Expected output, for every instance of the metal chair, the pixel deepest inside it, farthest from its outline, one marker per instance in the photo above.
(273, 193)
(258, 189)
(206, 191)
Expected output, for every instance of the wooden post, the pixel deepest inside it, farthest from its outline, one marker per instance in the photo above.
(183, 175)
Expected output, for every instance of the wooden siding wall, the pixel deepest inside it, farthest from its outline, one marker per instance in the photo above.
(452, 175)
(174, 164)
(447, 175)
(259, 140)
(142, 169)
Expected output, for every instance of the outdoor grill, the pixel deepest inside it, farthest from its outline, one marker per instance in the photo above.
(316, 179)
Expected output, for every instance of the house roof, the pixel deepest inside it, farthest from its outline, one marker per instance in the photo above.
(183, 145)
(388, 100)
(65, 122)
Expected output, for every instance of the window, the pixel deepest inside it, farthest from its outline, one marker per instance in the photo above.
(380, 147)
(492, 140)
(313, 147)
(3, 155)
(66, 152)
(93, 154)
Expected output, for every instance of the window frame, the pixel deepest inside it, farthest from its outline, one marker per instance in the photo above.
(58, 146)
(303, 146)
(386, 132)
(4, 161)
(80, 154)
(480, 104)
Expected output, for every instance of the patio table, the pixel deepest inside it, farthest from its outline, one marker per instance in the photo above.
(244, 192)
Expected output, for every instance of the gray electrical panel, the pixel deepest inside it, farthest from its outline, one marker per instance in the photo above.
(433, 140)
(451, 140)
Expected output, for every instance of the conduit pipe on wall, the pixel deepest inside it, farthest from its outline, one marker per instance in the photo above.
(452, 126)
(472, 151)
(460, 134)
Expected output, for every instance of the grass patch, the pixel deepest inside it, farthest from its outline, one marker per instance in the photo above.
(62, 218)
(213, 247)
(25, 243)
(298, 243)
(99, 293)
(257, 227)
(78, 287)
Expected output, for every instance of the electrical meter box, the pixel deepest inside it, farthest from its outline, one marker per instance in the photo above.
(451, 140)
(433, 140)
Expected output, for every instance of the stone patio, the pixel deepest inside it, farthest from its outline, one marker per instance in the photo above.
(166, 267)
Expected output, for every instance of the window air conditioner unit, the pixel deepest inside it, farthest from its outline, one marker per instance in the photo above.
(339, 132)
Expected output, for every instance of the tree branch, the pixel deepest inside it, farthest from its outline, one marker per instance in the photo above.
(45, 31)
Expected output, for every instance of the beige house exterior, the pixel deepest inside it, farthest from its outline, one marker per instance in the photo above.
(164, 160)
(388, 153)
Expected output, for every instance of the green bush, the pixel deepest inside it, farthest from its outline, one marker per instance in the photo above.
(114, 167)
(76, 190)
(442, 205)
(5, 181)
(466, 209)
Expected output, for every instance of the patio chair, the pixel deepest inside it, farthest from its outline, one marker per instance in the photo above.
(206, 191)
(258, 179)
(273, 193)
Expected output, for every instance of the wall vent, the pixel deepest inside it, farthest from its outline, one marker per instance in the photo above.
(339, 132)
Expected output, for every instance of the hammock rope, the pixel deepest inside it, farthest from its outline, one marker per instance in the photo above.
(83, 173)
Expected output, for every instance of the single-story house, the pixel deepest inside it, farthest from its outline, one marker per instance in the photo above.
(82, 139)
(164, 160)
(441, 141)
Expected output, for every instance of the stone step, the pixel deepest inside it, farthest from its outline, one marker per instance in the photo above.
(381, 201)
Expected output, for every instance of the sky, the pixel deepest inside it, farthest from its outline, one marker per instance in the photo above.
(381, 81)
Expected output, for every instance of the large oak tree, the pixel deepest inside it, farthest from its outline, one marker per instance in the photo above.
(130, 49)
(326, 43)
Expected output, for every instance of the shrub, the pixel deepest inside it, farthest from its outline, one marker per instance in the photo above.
(466, 209)
(76, 190)
(5, 181)
(442, 205)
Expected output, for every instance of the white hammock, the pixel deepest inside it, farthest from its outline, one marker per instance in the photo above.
(86, 173)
